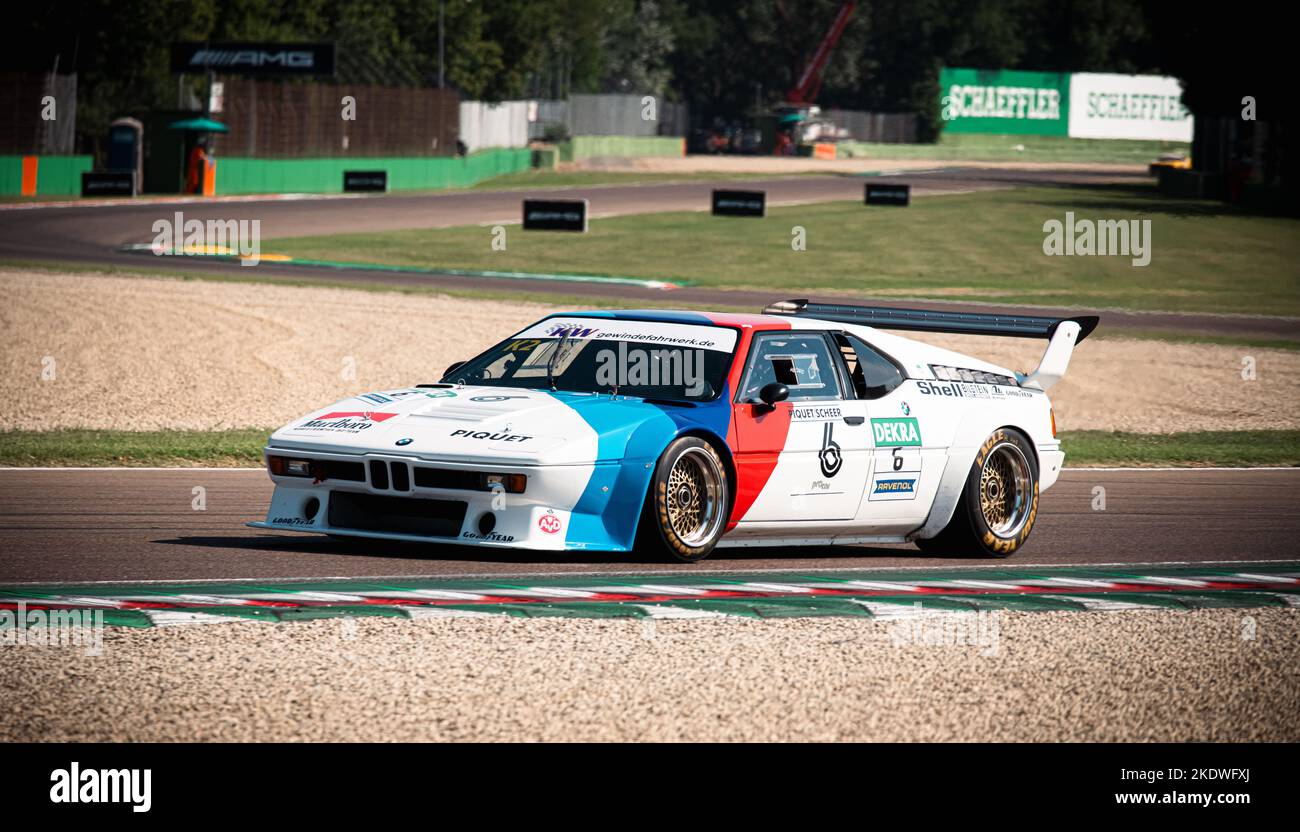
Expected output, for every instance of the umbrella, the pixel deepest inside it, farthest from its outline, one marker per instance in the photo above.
(199, 125)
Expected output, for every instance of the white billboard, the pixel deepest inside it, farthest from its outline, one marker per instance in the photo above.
(1107, 106)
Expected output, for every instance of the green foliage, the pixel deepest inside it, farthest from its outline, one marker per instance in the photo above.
(723, 57)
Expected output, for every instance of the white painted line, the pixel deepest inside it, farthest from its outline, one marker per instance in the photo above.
(616, 589)
(985, 584)
(502, 594)
(419, 594)
(1069, 582)
(1148, 579)
(887, 612)
(559, 592)
(664, 588)
(173, 618)
(1103, 604)
(1271, 579)
(762, 587)
(328, 597)
(211, 600)
(70, 601)
(662, 611)
(423, 613)
(887, 586)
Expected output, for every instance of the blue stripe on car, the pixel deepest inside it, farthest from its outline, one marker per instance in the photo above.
(631, 435)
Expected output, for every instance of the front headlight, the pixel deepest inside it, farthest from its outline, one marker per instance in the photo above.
(283, 466)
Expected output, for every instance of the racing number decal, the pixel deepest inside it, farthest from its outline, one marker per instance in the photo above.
(830, 456)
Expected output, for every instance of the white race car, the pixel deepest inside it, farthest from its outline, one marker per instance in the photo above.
(675, 432)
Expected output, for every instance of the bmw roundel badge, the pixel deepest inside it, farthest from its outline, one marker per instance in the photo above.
(408, 440)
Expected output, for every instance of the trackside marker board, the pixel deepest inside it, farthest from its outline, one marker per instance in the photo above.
(555, 215)
(108, 183)
(739, 203)
(365, 180)
(877, 194)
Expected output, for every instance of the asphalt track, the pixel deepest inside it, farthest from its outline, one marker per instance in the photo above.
(86, 525)
(92, 234)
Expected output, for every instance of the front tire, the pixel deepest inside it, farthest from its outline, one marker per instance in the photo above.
(688, 502)
(999, 504)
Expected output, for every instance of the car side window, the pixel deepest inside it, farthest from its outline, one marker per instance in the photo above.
(801, 361)
(872, 374)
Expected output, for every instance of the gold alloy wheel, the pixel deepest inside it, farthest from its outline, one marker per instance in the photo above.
(1005, 485)
(694, 496)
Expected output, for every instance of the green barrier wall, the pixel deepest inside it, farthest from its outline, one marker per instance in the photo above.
(586, 147)
(55, 175)
(237, 175)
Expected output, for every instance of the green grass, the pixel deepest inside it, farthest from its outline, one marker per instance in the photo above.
(1229, 449)
(138, 448)
(1206, 256)
(972, 147)
(1175, 337)
(587, 178)
(244, 448)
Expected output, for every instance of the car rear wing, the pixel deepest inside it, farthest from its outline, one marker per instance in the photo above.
(1062, 334)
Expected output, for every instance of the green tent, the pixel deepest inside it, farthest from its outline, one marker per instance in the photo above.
(199, 125)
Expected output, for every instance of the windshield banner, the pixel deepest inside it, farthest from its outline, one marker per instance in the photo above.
(701, 337)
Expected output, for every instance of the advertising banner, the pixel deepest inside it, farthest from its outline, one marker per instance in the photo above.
(254, 58)
(1106, 106)
(1004, 101)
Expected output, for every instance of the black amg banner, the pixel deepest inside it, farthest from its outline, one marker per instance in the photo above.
(888, 194)
(555, 215)
(250, 58)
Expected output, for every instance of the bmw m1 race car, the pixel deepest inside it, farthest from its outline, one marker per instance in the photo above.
(676, 432)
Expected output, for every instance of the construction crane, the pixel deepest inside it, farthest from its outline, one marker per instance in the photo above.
(792, 116)
(810, 82)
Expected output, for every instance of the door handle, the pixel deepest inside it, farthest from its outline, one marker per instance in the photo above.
(855, 420)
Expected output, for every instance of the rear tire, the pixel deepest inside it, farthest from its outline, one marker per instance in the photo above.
(687, 504)
(999, 504)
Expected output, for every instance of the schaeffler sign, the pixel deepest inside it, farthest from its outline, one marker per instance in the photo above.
(1105, 106)
(251, 58)
(1004, 101)
(1084, 105)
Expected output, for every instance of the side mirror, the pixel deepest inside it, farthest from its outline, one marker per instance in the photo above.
(771, 393)
(453, 367)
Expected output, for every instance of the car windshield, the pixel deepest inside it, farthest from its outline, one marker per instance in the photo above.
(648, 359)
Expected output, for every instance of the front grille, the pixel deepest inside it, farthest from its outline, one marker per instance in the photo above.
(450, 478)
(378, 474)
(333, 469)
(401, 476)
(399, 515)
